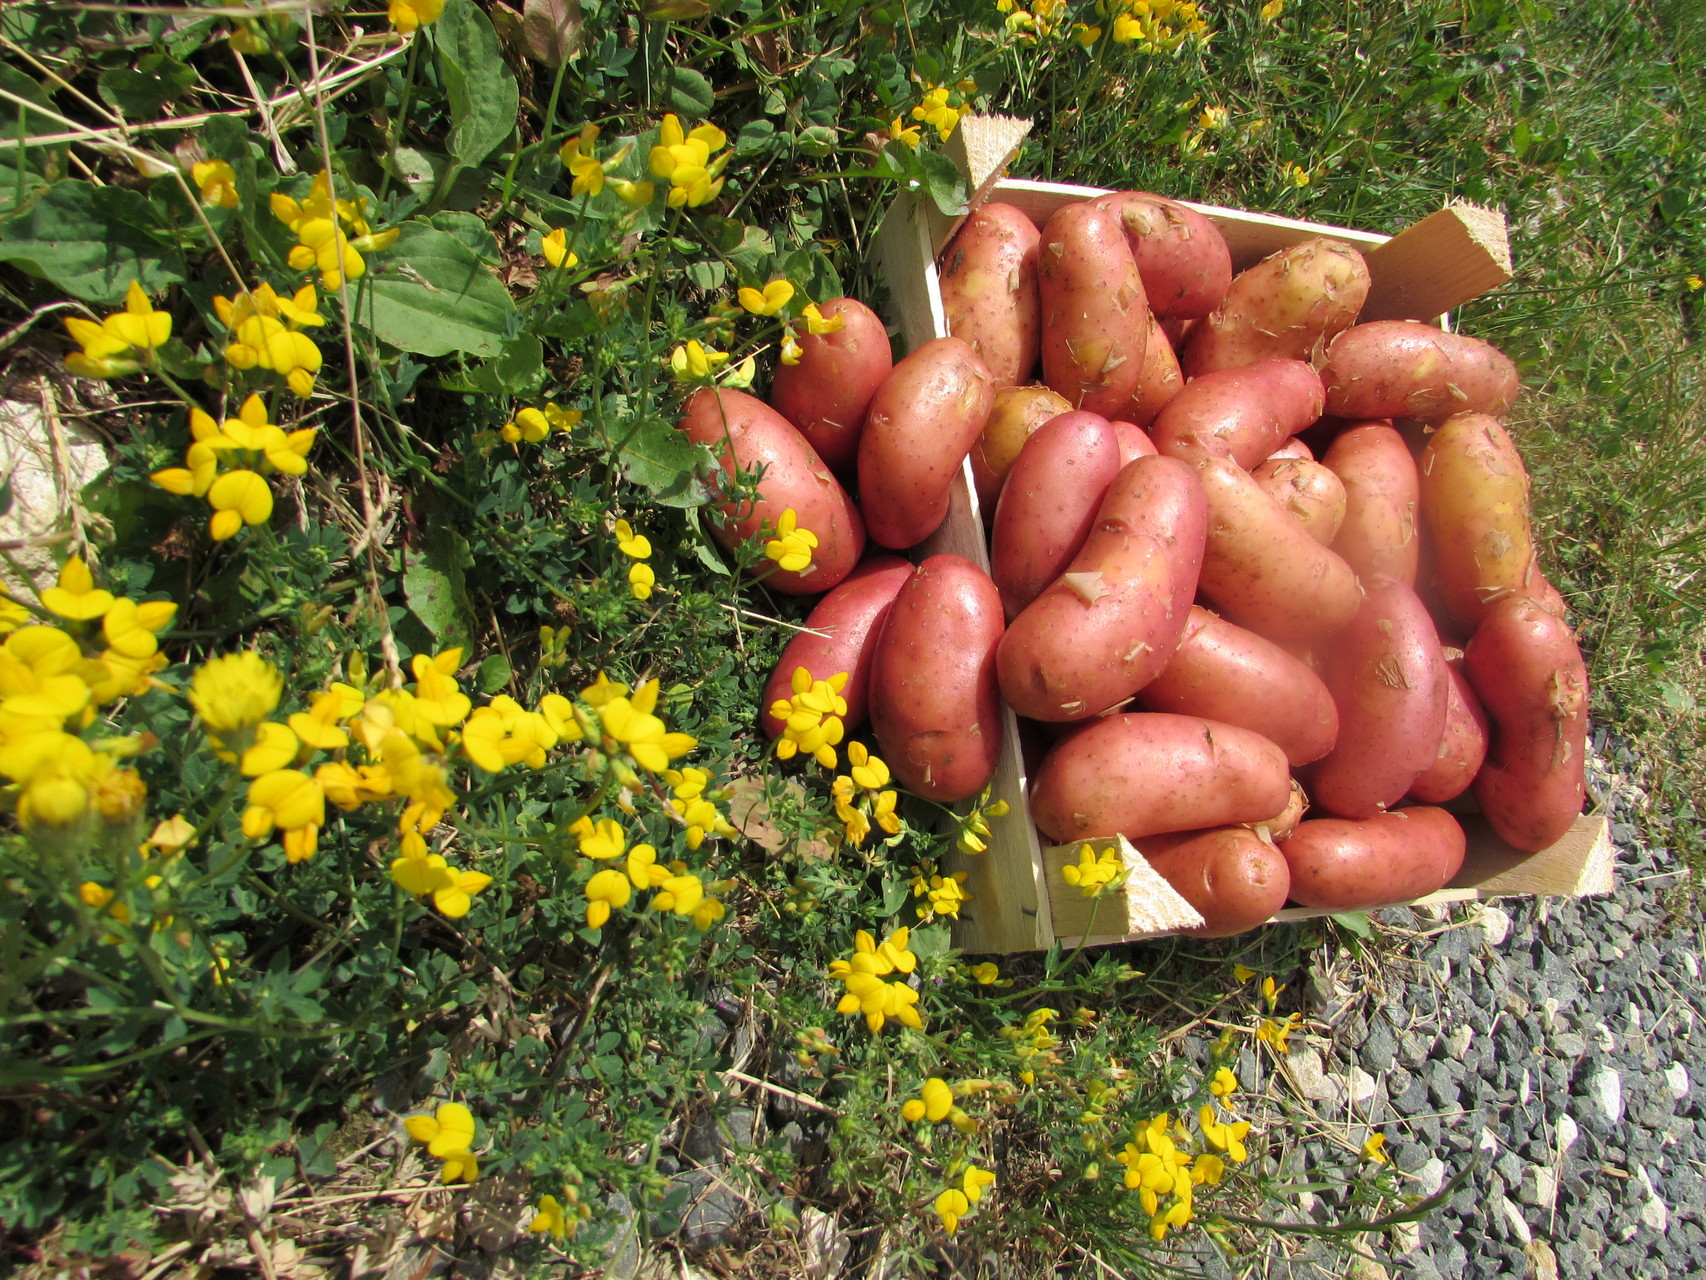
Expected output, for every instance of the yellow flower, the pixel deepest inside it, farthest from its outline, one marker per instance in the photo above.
(292, 801)
(406, 15)
(1086, 36)
(576, 155)
(131, 628)
(264, 334)
(632, 544)
(935, 111)
(238, 498)
(331, 234)
(1295, 175)
(235, 691)
(629, 722)
(986, 973)
(1374, 1148)
(606, 890)
(685, 159)
(456, 898)
(641, 580)
(1227, 1137)
(459, 1166)
(602, 840)
(274, 747)
(1276, 1034)
(1208, 1168)
(218, 183)
(769, 300)
(634, 194)
(121, 343)
(555, 247)
(1224, 1084)
(75, 595)
(531, 425)
(1243, 973)
(1094, 872)
(421, 873)
(1213, 118)
(816, 323)
(448, 1130)
(791, 352)
(812, 717)
(950, 1207)
(900, 131)
(1695, 284)
(933, 1103)
(974, 1182)
(694, 363)
(1272, 10)
(1271, 993)
(792, 546)
(863, 976)
(549, 1218)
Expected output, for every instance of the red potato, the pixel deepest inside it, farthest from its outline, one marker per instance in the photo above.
(1112, 620)
(1243, 414)
(1014, 416)
(1406, 369)
(1388, 678)
(746, 434)
(989, 290)
(1309, 491)
(1463, 746)
(1289, 304)
(828, 391)
(1095, 317)
(1342, 865)
(922, 423)
(1378, 537)
(1140, 774)
(1161, 379)
(1235, 879)
(840, 635)
(1292, 448)
(1262, 569)
(1048, 504)
(935, 708)
(1223, 672)
(1475, 504)
(1524, 664)
(1134, 442)
(1182, 257)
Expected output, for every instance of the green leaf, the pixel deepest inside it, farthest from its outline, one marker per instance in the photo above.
(494, 674)
(688, 92)
(434, 296)
(437, 592)
(471, 231)
(141, 91)
(92, 242)
(657, 457)
(227, 138)
(482, 90)
(39, 163)
(944, 183)
(1355, 922)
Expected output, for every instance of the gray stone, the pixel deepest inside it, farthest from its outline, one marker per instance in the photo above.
(1430, 1177)
(1567, 1044)
(1458, 1041)
(712, 1208)
(1311, 1078)
(1414, 1048)
(623, 1254)
(1413, 1100)
(1380, 1050)
(1676, 1080)
(1442, 1084)
(714, 1136)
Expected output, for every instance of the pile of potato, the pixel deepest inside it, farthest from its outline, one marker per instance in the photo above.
(1248, 558)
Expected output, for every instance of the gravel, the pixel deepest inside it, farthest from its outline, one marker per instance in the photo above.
(1553, 1040)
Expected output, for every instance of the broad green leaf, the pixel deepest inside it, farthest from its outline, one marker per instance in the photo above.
(482, 91)
(436, 590)
(521, 364)
(40, 164)
(433, 295)
(471, 231)
(494, 674)
(1355, 921)
(944, 183)
(688, 92)
(659, 458)
(140, 91)
(92, 242)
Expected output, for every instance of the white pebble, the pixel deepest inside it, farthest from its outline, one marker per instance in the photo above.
(1607, 1086)
(1519, 1228)
(1524, 1091)
(1495, 924)
(1676, 1077)
(1607, 1041)
(1545, 1185)
(1568, 1132)
(1489, 1141)
(1431, 1176)
(1457, 1043)
(1653, 1212)
(1634, 1017)
(1691, 964)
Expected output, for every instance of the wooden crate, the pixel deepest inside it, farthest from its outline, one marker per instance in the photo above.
(1019, 902)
